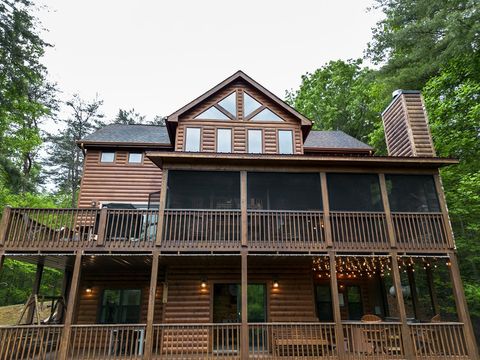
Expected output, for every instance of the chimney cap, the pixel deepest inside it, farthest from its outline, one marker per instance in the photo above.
(397, 92)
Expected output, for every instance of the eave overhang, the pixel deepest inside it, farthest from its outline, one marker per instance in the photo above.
(116, 144)
(223, 161)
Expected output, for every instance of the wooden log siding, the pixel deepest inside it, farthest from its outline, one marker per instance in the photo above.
(118, 181)
(30, 341)
(239, 127)
(286, 230)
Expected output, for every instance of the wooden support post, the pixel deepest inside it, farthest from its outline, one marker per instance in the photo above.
(444, 209)
(4, 224)
(432, 292)
(72, 297)
(244, 346)
(327, 226)
(388, 213)
(243, 207)
(151, 306)
(407, 339)
(102, 227)
(35, 291)
(462, 307)
(161, 209)
(413, 291)
(337, 316)
(2, 259)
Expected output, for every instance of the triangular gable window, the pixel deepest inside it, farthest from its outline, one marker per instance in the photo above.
(212, 113)
(230, 104)
(266, 115)
(249, 104)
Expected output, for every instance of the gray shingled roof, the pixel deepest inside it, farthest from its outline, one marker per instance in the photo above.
(333, 140)
(141, 134)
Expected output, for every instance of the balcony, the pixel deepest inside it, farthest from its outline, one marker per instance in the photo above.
(266, 341)
(219, 230)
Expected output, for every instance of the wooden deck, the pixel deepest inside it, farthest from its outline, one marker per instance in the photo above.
(24, 229)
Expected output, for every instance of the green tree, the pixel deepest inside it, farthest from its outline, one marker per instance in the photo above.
(129, 117)
(342, 95)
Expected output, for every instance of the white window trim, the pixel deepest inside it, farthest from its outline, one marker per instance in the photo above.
(199, 139)
(291, 139)
(231, 142)
(261, 141)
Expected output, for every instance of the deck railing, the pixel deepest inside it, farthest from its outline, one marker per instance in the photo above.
(206, 229)
(107, 341)
(382, 340)
(420, 230)
(30, 341)
(201, 229)
(202, 341)
(283, 229)
(439, 341)
(359, 230)
(292, 341)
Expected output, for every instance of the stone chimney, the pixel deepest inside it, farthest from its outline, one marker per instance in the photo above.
(406, 125)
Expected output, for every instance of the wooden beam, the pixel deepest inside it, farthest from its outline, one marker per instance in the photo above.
(151, 306)
(462, 307)
(243, 207)
(4, 224)
(407, 339)
(72, 297)
(388, 213)
(327, 226)
(432, 292)
(337, 316)
(35, 291)
(102, 227)
(443, 208)
(161, 209)
(244, 346)
(2, 259)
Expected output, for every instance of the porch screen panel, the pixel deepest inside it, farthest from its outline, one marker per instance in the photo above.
(203, 190)
(284, 191)
(412, 193)
(354, 192)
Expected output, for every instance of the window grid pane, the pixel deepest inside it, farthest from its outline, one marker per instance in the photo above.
(285, 142)
(224, 140)
(107, 157)
(255, 145)
(192, 139)
(135, 158)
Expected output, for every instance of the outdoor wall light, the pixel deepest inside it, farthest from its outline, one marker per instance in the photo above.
(275, 284)
(88, 289)
(204, 283)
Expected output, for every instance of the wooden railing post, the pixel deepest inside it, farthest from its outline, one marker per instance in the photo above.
(102, 227)
(443, 208)
(161, 209)
(337, 317)
(72, 300)
(151, 306)
(4, 224)
(462, 307)
(244, 346)
(326, 210)
(243, 207)
(388, 213)
(407, 339)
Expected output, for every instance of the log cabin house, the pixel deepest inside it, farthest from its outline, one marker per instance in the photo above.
(238, 232)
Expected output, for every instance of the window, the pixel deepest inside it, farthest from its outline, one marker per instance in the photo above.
(354, 300)
(266, 115)
(249, 104)
(107, 157)
(192, 139)
(135, 158)
(412, 193)
(203, 190)
(230, 104)
(120, 306)
(255, 145)
(323, 302)
(224, 140)
(285, 142)
(283, 191)
(212, 113)
(354, 192)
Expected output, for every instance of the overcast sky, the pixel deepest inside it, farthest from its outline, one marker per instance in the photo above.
(157, 55)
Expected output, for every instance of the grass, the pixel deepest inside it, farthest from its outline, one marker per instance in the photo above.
(9, 315)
